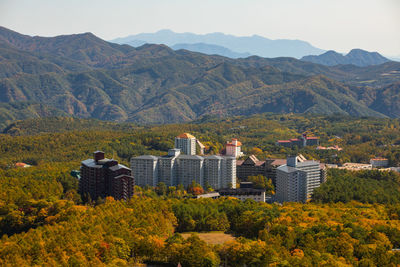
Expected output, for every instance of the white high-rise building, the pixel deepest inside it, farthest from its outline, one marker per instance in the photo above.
(167, 168)
(296, 181)
(186, 143)
(213, 168)
(190, 168)
(175, 168)
(145, 170)
(229, 173)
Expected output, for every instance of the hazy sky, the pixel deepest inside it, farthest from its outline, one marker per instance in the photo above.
(340, 25)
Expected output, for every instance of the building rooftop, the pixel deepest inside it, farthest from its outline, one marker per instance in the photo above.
(307, 163)
(91, 163)
(185, 136)
(277, 162)
(193, 157)
(122, 175)
(118, 167)
(287, 169)
(240, 191)
(146, 157)
(213, 157)
(208, 195)
(21, 164)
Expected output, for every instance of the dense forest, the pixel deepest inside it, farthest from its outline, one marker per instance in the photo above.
(352, 220)
(75, 139)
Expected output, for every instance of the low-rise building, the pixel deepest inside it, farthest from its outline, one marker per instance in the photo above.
(302, 141)
(246, 191)
(351, 166)
(379, 162)
(213, 195)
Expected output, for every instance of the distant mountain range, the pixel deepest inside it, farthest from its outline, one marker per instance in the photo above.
(241, 47)
(210, 49)
(85, 76)
(356, 57)
(252, 45)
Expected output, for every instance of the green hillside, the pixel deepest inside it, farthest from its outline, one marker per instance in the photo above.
(84, 76)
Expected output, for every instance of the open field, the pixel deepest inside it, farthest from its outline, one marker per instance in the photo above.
(213, 238)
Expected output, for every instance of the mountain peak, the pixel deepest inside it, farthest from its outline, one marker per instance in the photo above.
(356, 57)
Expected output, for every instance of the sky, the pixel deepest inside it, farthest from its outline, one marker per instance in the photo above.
(340, 25)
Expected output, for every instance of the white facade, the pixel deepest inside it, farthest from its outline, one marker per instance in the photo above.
(167, 168)
(296, 181)
(186, 143)
(190, 168)
(233, 148)
(174, 169)
(145, 170)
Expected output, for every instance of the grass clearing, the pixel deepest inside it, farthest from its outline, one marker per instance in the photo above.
(213, 238)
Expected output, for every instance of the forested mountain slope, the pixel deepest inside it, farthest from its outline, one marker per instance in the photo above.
(84, 76)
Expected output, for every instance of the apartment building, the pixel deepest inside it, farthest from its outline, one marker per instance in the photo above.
(175, 168)
(145, 170)
(101, 177)
(296, 181)
(186, 143)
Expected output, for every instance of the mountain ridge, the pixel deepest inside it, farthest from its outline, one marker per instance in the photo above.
(155, 84)
(357, 57)
(255, 44)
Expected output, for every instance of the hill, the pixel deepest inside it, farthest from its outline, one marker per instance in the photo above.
(210, 49)
(155, 84)
(254, 45)
(356, 57)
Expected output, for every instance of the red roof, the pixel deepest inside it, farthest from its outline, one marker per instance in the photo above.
(278, 161)
(231, 143)
(20, 164)
(239, 162)
(283, 141)
(185, 136)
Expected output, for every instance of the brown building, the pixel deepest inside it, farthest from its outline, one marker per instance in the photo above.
(249, 167)
(101, 177)
(252, 167)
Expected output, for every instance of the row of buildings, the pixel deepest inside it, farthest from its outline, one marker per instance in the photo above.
(176, 168)
(294, 178)
(182, 165)
(302, 141)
